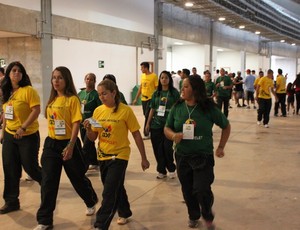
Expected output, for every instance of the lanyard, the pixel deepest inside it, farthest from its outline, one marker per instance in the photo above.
(190, 113)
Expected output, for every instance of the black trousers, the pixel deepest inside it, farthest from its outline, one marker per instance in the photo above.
(146, 111)
(163, 151)
(263, 112)
(196, 174)
(114, 196)
(88, 148)
(15, 154)
(75, 169)
(223, 102)
(281, 102)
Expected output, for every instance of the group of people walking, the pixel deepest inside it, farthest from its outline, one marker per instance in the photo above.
(179, 126)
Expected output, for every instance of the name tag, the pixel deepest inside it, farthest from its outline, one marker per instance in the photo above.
(59, 127)
(188, 131)
(9, 112)
(161, 111)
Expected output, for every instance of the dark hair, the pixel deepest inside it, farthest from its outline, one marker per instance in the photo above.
(261, 72)
(2, 70)
(110, 77)
(92, 75)
(270, 71)
(280, 71)
(69, 89)
(145, 64)
(111, 86)
(199, 92)
(297, 80)
(186, 72)
(171, 86)
(289, 87)
(6, 85)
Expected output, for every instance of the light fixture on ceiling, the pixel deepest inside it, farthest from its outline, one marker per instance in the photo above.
(242, 27)
(293, 44)
(222, 19)
(189, 4)
(257, 32)
(282, 41)
(178, 43)
(220, 50)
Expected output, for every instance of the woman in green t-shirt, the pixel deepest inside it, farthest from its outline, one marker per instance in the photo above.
(161, 102)
(189, 125)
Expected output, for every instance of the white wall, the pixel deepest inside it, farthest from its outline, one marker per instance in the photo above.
(288, 66)
(31, 4)
(134, 15)
(82, 57)
(230, 60)
(188, 56)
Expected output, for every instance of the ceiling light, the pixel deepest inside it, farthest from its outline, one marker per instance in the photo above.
(222, 19)
(242, 27)
(178, 43)
(282, 40)
(220, 50)
(257, 32)
(189, 4)
(293, 44)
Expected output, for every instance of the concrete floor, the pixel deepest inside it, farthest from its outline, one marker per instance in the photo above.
(256, 186)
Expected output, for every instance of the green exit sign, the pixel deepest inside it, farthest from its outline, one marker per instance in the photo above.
(100, 64)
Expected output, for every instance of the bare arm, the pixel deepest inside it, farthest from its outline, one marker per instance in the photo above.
(224, 138)
(173, 136)
(149, 120)
(68, 150)
(35, 111)
(140, 144)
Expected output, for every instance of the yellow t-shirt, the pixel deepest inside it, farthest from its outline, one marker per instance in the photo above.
(148, 83)
(256, 82)
(265, 85)
(63, 111)
(280, 84)
(22, 101)
(113, 137)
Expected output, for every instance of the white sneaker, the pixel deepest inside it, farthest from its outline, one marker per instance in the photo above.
(172, 175)
(122, 220)
(258, 123)
(93, 167)
(43, 227)
(90, 211)
(161, 176)
(266, 126)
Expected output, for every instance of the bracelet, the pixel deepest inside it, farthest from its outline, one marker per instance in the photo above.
(71, 143)
(23, 129)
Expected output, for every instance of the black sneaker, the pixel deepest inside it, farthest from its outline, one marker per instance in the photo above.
(9, 208)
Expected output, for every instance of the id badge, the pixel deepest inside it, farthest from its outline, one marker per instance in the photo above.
(188, 131)
(60, 127)
(82, 108)
(222, 83)
(161, 111)
(9, 112)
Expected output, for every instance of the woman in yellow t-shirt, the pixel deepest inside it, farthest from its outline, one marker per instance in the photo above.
(116, 120)
(62, 148)
(20, 135)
